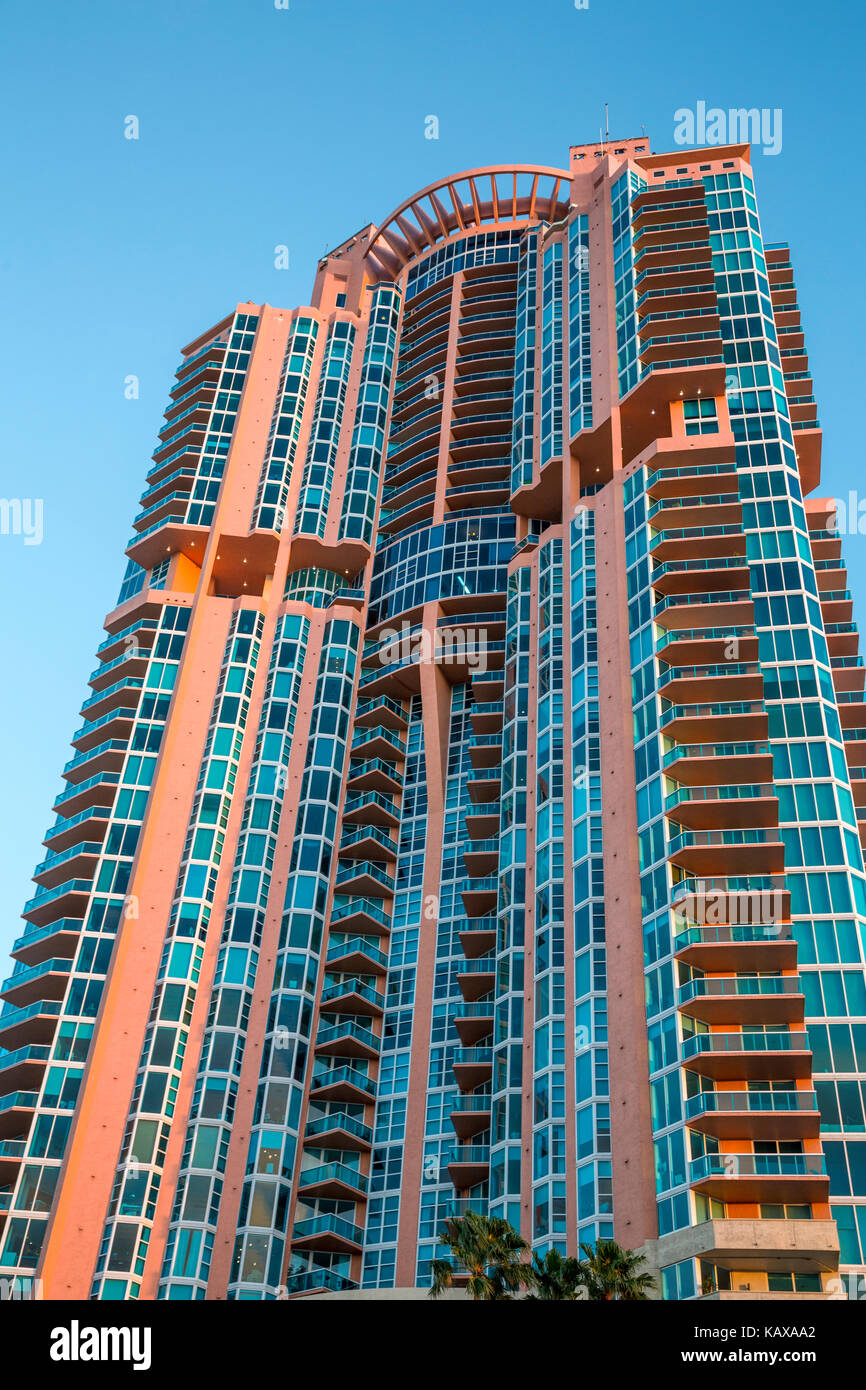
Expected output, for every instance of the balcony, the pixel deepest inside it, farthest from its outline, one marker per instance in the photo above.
(77, 862)
(470, 1115)
(476, 978)
(343, 1083)
(367, 842)
(743, 999)
(68, 899)
(34, 1024)
(755, 1114)
(328, 1232)
(727, 721)
(481, 857)
(374, 775)
(23, 1069)
(480, 896)
(338, 1131)
(380, 711)
(16, 1113)
(352, 997)
(347, 1039)
(356, 955)
(472, 1066)
(708, 763)
(468, 1165)
(47, 980)
(336, 1181)
(709, 808)
(364, 916)
(365, 877)
(749, 1056)
(719, 946)
(312, 1281)
(473, 1021)
(478, 936)
(378, 742)
(727, 851)
(750, 1177)
(371, 808)
(11, 1154)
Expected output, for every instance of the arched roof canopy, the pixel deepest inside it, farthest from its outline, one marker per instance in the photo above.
(467, 202)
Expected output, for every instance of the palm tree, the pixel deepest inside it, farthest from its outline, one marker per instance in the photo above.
(489, 1250)
(557, 1277)
(610, 1272)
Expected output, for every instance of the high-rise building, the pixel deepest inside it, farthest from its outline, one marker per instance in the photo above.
(465, 809)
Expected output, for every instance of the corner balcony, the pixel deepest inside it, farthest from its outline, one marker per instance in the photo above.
(168, 536)
(743, 999)
(347, 1038)
(755, 1114)
(367, 842)
(352, 997)
(336, 1181)
(328, 1232)
(365, 877)
(343, 1083)
(480, 897)
(724, 806)
(16, 1113)
(374, 775)
(472, 1066)
(380, 711)
(89, 825)
(470, 1115)
(116, 724)
(670, 477)
(371, 808)
(476, 978)
(721, 946)
(478, 936)
(363, 916)
(123, 694)
(378, 742)
(481, 857)
(473, 1021)
(749, 1056)
(468, 1165)
(338, 1131)
(771, 1178)
(727, 851)
(356, 955)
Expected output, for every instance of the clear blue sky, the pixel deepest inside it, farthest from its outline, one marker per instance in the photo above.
(261, 126)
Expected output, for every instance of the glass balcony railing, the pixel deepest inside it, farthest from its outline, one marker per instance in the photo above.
(333, 1172)
(751, 1102)
(727, 1165)
(744, 1042)
(327, 1124)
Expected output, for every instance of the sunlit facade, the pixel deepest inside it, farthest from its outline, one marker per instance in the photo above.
(464, 812)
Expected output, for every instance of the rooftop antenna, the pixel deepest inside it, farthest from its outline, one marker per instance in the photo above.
(606, 125)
